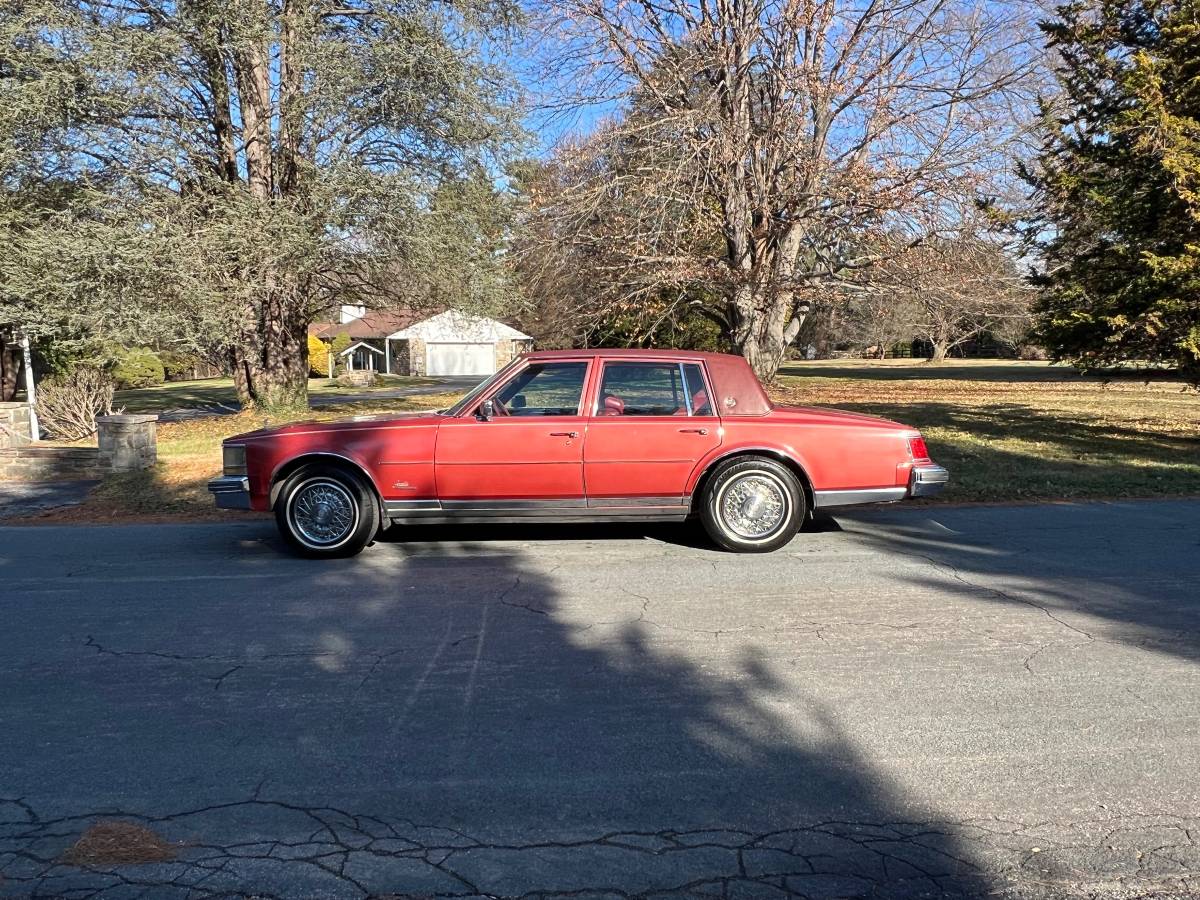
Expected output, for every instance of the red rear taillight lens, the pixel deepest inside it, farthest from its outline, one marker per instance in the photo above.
(917, 448)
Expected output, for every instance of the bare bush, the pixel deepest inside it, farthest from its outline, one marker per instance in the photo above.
(67, 405)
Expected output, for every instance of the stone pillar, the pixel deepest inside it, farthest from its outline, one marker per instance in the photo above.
(416, 356)
(127, 442)
(15, 425)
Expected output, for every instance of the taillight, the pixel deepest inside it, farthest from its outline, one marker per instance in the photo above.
(917, 448)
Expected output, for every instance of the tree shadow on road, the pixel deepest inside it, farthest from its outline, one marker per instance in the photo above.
(1123, 572)
(458, 719)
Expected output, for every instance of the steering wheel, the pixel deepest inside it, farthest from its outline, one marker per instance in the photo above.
(499, 408)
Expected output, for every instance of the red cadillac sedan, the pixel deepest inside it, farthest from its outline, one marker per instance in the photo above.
(580, 436)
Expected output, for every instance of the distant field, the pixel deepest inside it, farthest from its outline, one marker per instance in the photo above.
(1023, 430)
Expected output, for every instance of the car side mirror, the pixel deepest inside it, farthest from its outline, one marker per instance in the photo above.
(487, 409)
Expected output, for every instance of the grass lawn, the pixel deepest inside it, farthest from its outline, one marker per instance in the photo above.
(210, 392)
(1023, 430)
(1006, 431)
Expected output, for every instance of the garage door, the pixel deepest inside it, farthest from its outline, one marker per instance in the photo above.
(460, 359)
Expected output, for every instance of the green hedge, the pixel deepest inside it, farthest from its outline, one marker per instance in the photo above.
(138, 367)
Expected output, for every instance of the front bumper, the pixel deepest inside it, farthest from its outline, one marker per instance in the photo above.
(927, 481)
(231, 491)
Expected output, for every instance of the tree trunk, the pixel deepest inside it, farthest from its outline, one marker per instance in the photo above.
(270, 370)
(763, 328)
(10, 365)
(940, 349)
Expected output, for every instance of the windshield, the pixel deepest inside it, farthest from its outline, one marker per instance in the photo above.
(470, 399)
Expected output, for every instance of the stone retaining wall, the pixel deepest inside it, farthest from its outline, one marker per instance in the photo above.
(125, 444)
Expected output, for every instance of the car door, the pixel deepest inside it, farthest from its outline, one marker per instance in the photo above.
(652, 421)
(529, 453)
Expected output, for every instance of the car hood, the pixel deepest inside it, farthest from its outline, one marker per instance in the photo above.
(814, 415)
(351, 423)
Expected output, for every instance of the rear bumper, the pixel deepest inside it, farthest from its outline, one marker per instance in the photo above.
(927, 481)
(231, 491)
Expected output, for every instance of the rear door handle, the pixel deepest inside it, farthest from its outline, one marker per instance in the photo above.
(693, 431)
(566, 434)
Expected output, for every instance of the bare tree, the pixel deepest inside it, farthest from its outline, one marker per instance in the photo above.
(958, 289)
(877, 320)
(762, 147)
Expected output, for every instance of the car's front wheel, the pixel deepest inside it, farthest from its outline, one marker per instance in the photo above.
(325, 511)
(753, 504)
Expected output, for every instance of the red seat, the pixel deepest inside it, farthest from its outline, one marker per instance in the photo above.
(611, 406)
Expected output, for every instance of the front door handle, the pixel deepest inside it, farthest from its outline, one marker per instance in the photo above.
(566, 434)
(693, 431)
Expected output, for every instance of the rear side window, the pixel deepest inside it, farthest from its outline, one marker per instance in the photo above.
(650, 389)
(697, 390)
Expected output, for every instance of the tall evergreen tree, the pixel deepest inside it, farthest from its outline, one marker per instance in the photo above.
(1118, 186)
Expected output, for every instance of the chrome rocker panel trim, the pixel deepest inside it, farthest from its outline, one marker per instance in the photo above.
(825, 499)
(643, 509)
(231, 491)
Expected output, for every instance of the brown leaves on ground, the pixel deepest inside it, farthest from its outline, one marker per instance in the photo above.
(116, 843)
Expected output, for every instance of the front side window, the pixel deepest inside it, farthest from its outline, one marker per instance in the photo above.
(542, 389)
(650, 389)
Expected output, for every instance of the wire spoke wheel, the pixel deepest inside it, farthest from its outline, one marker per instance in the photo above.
(322, 513)
(754, 505)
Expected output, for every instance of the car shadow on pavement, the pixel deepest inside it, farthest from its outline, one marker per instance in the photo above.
(688, 534)
(458, 720)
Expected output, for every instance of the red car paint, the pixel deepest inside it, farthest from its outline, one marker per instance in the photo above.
(595, 457)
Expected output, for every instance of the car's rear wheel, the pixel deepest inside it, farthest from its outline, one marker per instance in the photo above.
(325, 511)
(752, 504)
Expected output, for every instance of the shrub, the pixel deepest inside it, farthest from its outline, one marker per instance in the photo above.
(138, 367)
(67, 405)
(318, 357)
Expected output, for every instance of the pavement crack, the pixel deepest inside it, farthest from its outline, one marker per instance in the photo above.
(502, 597)
(220, 679)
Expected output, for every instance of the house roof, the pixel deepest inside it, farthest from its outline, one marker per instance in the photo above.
(450, 326)
(372, 325)
(364, 345)
(456, 326)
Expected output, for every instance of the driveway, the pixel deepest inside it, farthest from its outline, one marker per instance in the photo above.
(907, 702)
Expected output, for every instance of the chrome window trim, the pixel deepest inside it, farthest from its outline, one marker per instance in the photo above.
(665, 362)
(497, 386)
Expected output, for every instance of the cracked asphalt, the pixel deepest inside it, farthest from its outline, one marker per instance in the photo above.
(938, 702)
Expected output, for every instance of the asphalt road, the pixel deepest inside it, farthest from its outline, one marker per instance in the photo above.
(958, 701)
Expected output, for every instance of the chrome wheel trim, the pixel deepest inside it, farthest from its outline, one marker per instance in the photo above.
(753, 506)
(322, 513)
